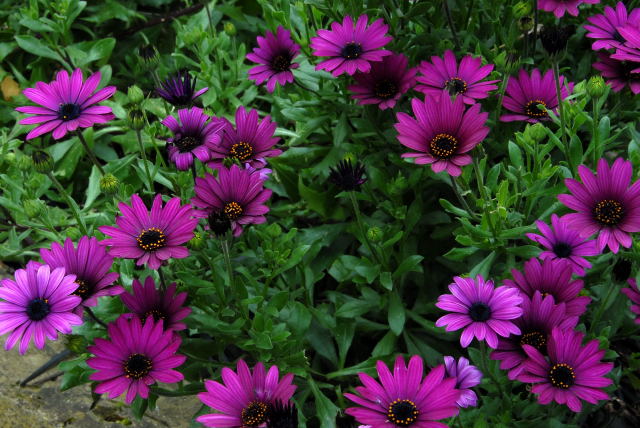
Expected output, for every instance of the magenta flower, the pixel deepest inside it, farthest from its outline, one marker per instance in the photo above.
(250, 142)
(618, 73)
(67, 104)
(192, 136)
(146, 301)
(404, 398)
(539, 316)
(633, 293)
(464, 80)
(571, 373)
(238, 193)
(551, 277)
(605, 203)
(275, 54)
(245, 398)
(564, 243)
(134, 357)
(467, 376)
(351, 47)
(525, 92)
(90, 263)
(387, 81)
(179, 90)
(604, 28)
(482, 310)
(559, 7)
(38, 303)
(630, 50)
(443, 132)
(151, 237)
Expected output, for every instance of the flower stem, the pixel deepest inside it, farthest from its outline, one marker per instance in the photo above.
(74, 207)
(483, 195)
(556, 76)
(163, 282)
(535, 28)
(356, 210)
(596, 132)
(484, 356)
(193, 172)
(144, 161)
(206, 6)
(227, 260)
(602, 307)
(90, 152)
(464, 203)
(94, 317)
(451, 26)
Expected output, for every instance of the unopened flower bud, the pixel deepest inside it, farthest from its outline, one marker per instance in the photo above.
(197, 242)
(109, 183)
(33, 208)
(135, 94)
(554, 38)
(149, 55)
(73, 233)
(525, 24)
(24, 163)
(75, 343)
(135, 118)
(596, 86)
(521, 9)
(42, 162)
(375, 234)
(229, 28)
(536, 132)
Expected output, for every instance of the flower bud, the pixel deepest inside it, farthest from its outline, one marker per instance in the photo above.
(525, 24)
(75, 343)
(135, 94)
(219, 223)
(149, 55)
(375, 234)
(554, 38)
(536, 132)
(521, 9)
(135, 119)
(24, 163)
(42, 162)
(33, 208)
(230, 29)
(73, 233)
(109, 183)
(596, 86)
(197, 242)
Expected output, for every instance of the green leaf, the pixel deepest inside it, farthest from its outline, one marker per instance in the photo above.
(344, 332)
(93, 189)
(325, 409)
(483, 268)
(385, 280)
(396, 315)
(410, 264)
(515, 155)
(37, 47)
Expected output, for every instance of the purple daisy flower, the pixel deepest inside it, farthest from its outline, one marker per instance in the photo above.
(238, 193)
(604, 28)
(564, 243)
(571, 373)
(179, 90)
(245, 398)
(482, 310)
(250, 142)
(351, 47)
(387, 81)
(146, 301)
(464, 80)
(192, 136)
(134, 357)
(38, 303)
(633, 293)
(67, 104)
(618, 73)
(151, 237)
(539, 316)
(467, 376)
(605, 203)
(90, 263)
(404, 398)
(630, 50)
(551, 277)
(559, 7)
(443, 132)
(275, 53)
(525, 92)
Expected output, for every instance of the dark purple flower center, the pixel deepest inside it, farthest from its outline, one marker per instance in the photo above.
(254, 414)
(187, 143)
(282, 415)
(241, 151)
(562, 376)
(456, 86)
(480, 312)
(68, 111)
(385, 89)
(443, 146)
(219, 223)
(156, 313)
(137, 366)
(281, 62)
(38, 309)
(535, 339)
(402, 412)
(352, 50)
(531, 109)
(562, 250)
(608, 212)
(84, 288)
(233, 210)
(151, 239)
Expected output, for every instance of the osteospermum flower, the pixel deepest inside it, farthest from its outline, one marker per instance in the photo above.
(630, 50)
(275, 54)
(351, 47)
(539, 317)
(90, 263)
(464, 80)
(571, 373)
(551, 277)
(179, 90)
(282, 415)
(524, 94)
(467, 376)
(250, 142)
(37, 303)
(66, 104)
(146, 301)
(618, 74)
(442, 133)
(404, 398)
(604, 27)
(482, 310)
(559, 7)
(245, 398)
(633, 293)
(151, 237)
(605, 204)
(347, 176)
(564, 243)
(385, 83)
(238, 193)
(134, 357)
(192, 136)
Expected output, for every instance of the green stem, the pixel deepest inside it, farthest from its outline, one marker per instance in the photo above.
(227, 260)
(206, 6)
(596, 132)
(72, 205)
(356, 210)
(144, 161)
(450, 22)
(602, 307)
(90, 152)
(556, 76)
(535, 28)
(484, 356)
(483, 195)
(503, 87)
(94, 317)
(163, 282)
(464, 203)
